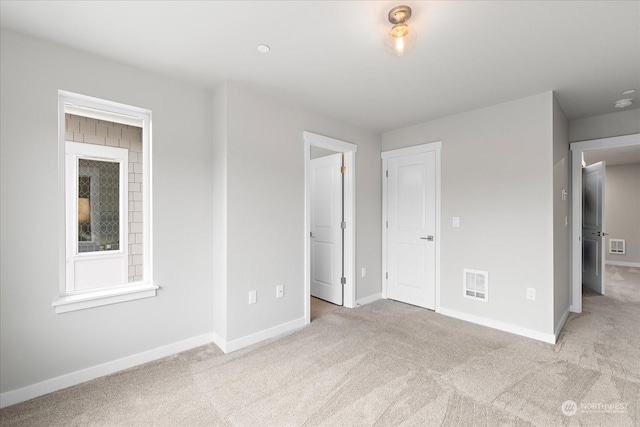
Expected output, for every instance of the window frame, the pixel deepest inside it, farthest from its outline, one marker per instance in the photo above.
(87, 106)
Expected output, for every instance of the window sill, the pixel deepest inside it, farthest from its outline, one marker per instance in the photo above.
(98, 298)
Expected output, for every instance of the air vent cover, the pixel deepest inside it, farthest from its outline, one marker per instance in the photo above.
(617, 246)
(476, 284)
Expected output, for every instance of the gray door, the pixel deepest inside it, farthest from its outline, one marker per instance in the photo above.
(593, 179)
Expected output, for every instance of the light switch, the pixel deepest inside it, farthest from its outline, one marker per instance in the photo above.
(252, 297)
(456, 221)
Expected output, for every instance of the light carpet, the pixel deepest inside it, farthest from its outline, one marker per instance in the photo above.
(384, 364)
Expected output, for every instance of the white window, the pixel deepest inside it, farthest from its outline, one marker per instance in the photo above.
(105, 190)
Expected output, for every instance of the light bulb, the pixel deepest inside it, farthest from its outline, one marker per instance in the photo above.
(400, 45)
(400, 39)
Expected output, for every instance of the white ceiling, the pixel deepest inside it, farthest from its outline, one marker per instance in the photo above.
(329, 55)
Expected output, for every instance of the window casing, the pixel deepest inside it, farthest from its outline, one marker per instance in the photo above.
(105, 203)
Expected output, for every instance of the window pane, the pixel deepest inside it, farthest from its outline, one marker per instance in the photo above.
(98, 206)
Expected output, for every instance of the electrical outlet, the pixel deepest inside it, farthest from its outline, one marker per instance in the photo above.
(456, 221)
(363, 272)
(279, 291)
(252, 297)
(531, 294)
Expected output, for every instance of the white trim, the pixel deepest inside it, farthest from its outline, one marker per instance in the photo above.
(613, 142)
(99, 298)
(276, 331)
(369, 299)
(563, 320)
(623, 264)
(104, 115)
(400, 152)
(349, 297)
(349, 150)
(325, 142)
(495, 324)
(577, 148)
(221, 343)
(48, 386)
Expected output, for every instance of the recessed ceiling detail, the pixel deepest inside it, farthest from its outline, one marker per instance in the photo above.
(263, 48)
(628, 91)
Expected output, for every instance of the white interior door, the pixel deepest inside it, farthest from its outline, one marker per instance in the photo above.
(411, 215)
(593, 256)
(326, 230)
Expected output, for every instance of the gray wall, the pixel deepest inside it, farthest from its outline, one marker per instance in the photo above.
(497, 176)
(265, 207)
(35, 343)
(561, 215)
(607, 125)
(317, 152)
(622, 206)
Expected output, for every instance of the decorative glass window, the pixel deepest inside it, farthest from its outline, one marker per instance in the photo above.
(96, 187)
(106, 253)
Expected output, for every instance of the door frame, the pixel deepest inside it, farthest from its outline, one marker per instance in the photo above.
(400, 152)
(349, 150)
(577, 148)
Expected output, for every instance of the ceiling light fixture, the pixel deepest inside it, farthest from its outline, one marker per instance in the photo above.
(263, 48)
(400, 39)
(628, 91)
(623, 103)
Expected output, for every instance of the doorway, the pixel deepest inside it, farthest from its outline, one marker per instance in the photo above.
(348, 227)
(411, 225)
(577, 151)
(326, 182)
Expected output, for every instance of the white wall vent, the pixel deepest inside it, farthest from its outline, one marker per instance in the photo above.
(617, 246)
(476, 284)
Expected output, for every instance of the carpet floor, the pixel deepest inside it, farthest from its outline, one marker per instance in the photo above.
(384, 364)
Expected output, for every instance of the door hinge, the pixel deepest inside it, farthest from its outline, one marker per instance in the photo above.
(387, 224)
(387, 174)
(343, 169)
(343, 225)
(343, 280)
(386, 275)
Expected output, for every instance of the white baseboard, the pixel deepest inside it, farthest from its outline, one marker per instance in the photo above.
(369, 299)
(237, 344)
(221, 343)
(48, 386)
(507, 327)
(563, 320)
(623, 264)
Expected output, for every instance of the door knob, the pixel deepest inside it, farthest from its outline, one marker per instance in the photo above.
(429, 238)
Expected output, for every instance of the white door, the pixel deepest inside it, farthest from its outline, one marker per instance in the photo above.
(593, 179)
(411, 215)
(97, 216)
(326, 230)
